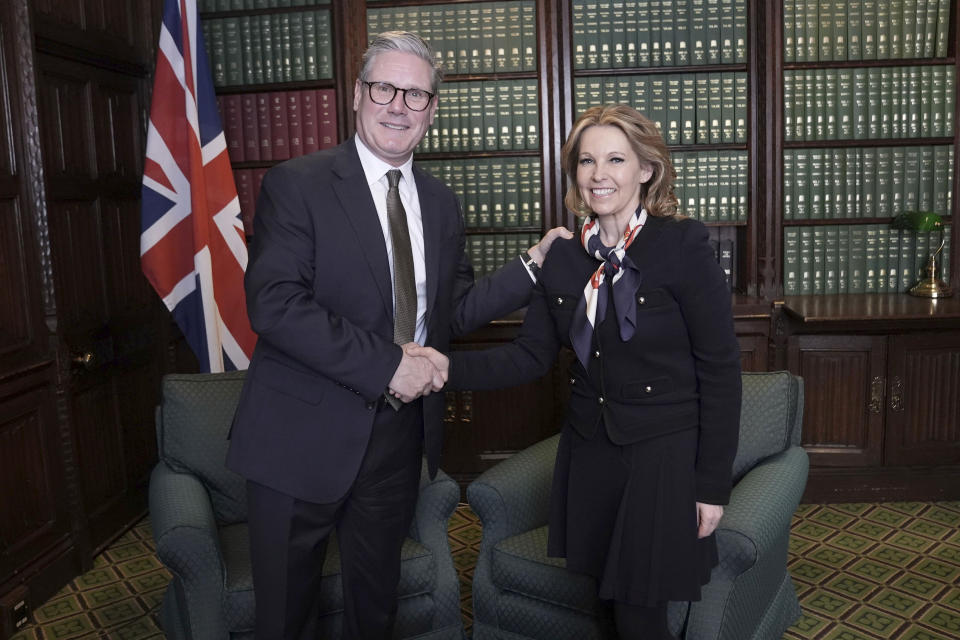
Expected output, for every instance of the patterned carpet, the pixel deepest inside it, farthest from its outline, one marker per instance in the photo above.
(862, 571)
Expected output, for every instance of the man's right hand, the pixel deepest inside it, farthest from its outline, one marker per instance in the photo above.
(418, 373)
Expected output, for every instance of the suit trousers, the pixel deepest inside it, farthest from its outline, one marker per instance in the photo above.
(288, 538)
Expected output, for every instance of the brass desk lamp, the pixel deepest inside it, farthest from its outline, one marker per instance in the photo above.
(929, 286)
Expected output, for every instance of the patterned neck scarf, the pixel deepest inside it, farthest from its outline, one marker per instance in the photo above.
(625, 280)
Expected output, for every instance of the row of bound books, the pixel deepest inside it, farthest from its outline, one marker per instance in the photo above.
(689, 108)
(469, 38)
(644, 33)
(824, 30)
(278, 125)
(724, 244)
(495, 193)
(866, 258)
(209, 6)
(859, 104)
(489, 252)
(489, 115)
(712, 186)
(248, 183)
(871, 182)
(261, 49)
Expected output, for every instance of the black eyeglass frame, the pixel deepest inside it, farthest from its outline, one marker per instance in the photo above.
(394, 96)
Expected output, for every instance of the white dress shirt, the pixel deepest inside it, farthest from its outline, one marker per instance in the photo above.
(375, 171)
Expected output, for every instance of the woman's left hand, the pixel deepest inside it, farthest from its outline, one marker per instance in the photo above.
(708, 517)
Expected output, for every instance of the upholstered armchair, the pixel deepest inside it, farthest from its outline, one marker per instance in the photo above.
(198, 514)
(520, 593)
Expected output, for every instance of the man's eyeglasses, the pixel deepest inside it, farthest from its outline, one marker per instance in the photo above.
(384, 93)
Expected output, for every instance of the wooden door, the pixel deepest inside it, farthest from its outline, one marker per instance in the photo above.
(923, 400)
(92, 137)
(844, 397)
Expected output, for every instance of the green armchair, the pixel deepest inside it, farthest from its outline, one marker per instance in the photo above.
(198, 515)
(519, 593)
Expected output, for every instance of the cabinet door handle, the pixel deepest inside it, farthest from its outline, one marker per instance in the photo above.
(896, 394)
(876, 394)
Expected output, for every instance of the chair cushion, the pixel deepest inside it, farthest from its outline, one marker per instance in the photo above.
(193, 423)
(520, 564)
(417, 576)
(767, 417)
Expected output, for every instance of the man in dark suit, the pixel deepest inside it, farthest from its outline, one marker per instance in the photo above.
(334, 415)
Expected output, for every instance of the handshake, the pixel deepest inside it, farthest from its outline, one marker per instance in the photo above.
(422, 370)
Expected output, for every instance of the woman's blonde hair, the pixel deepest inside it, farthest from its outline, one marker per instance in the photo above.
(657, 194)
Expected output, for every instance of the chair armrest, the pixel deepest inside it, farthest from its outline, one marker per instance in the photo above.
(763, 502)
(185, 532)
(514, 496)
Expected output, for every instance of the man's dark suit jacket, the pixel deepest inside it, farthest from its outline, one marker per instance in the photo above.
(680, 370)
(319, 296)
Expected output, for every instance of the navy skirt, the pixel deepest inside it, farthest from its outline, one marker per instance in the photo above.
(627, 516)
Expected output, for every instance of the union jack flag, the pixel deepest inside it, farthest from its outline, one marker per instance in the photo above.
(192, 247)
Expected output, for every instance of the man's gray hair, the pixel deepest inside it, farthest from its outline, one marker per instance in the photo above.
(406, 42)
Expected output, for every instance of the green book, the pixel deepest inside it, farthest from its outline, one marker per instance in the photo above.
(726, 172)
(845, 104)
(825, 31)
(691, 191)
(658, 102)
(702, 82)
(216, 48)
(868, 29)
(703, 192)
(727, 54)
(524, 174)
(311, 69)
(789, 45)
(592, 34)
(286, 45)
(831, 259)
(715, 93)
(656, 58)
(518, 105)
(810, 82)
(789, 179)
(789, 103)
(820, 91)
(791, 259)
(911, 178)
(915, 93)
(943, 29)
(667, 28)
(882, 184)
(807, 255)
(537, 197)
(678, 160)
(475, 61)
(511, 193)
(869, 182)
(515, 27)
(812, 29)
(457, 38)
(883, 29)
(883, 233)
(871, 258)
(897, 177)
(580, 101)
(815, 187)
(886, 102)
(908, 27)
(833, 206)
(874, 85)
(740, 32)
(860, 105)
(495, 196)
(674, 109)
(688, 106)
(504, 114)
(829, 91)
(857, 200)
(895, 35)
(246, 42)
(442, 130)
(801, 184)
(854, 22)
(618, 35)
(949, 96)
(712, 32)
(532, 112)
(743, 187)
(681, 33)
(594, 92)
(740, 107)
(488, 26)
(941, 178)
(892, 246)
(484, 198)
(529, 12)
(324, 44)
(843, 258)
(475, 253)
(840, 30)
(491, 131)
(698, 31)
(298, 68)
(609, 92)
(728, 107)
(920, 34)
(233, 50)
(624, 86)
(465, 116)
(927, 88)
(852, 187)
(906, 267)
(499, 39)
(800, 30)
(605, 33)
(819, 259)
(450, 94)
(858, 259)
(925, 190)
(630, 33)
(477, 131)
(471, 203)
(935, 93)
(899, 116)
(945, 256)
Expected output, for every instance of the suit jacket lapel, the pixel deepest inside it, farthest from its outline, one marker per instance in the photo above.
(432, 219)
(353, 192)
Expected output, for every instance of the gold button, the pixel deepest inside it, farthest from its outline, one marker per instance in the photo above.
(648, 388)
(642, 300)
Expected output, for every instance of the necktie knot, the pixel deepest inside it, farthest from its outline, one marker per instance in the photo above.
(393, 178)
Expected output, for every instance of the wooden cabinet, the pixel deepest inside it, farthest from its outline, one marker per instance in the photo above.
(882, 394)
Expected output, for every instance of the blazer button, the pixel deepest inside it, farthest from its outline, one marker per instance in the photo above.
(642, 300)
(600, 400)
(559, 300)
(371, 405)
(573, 380)
(596, 354)
(648, 388)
